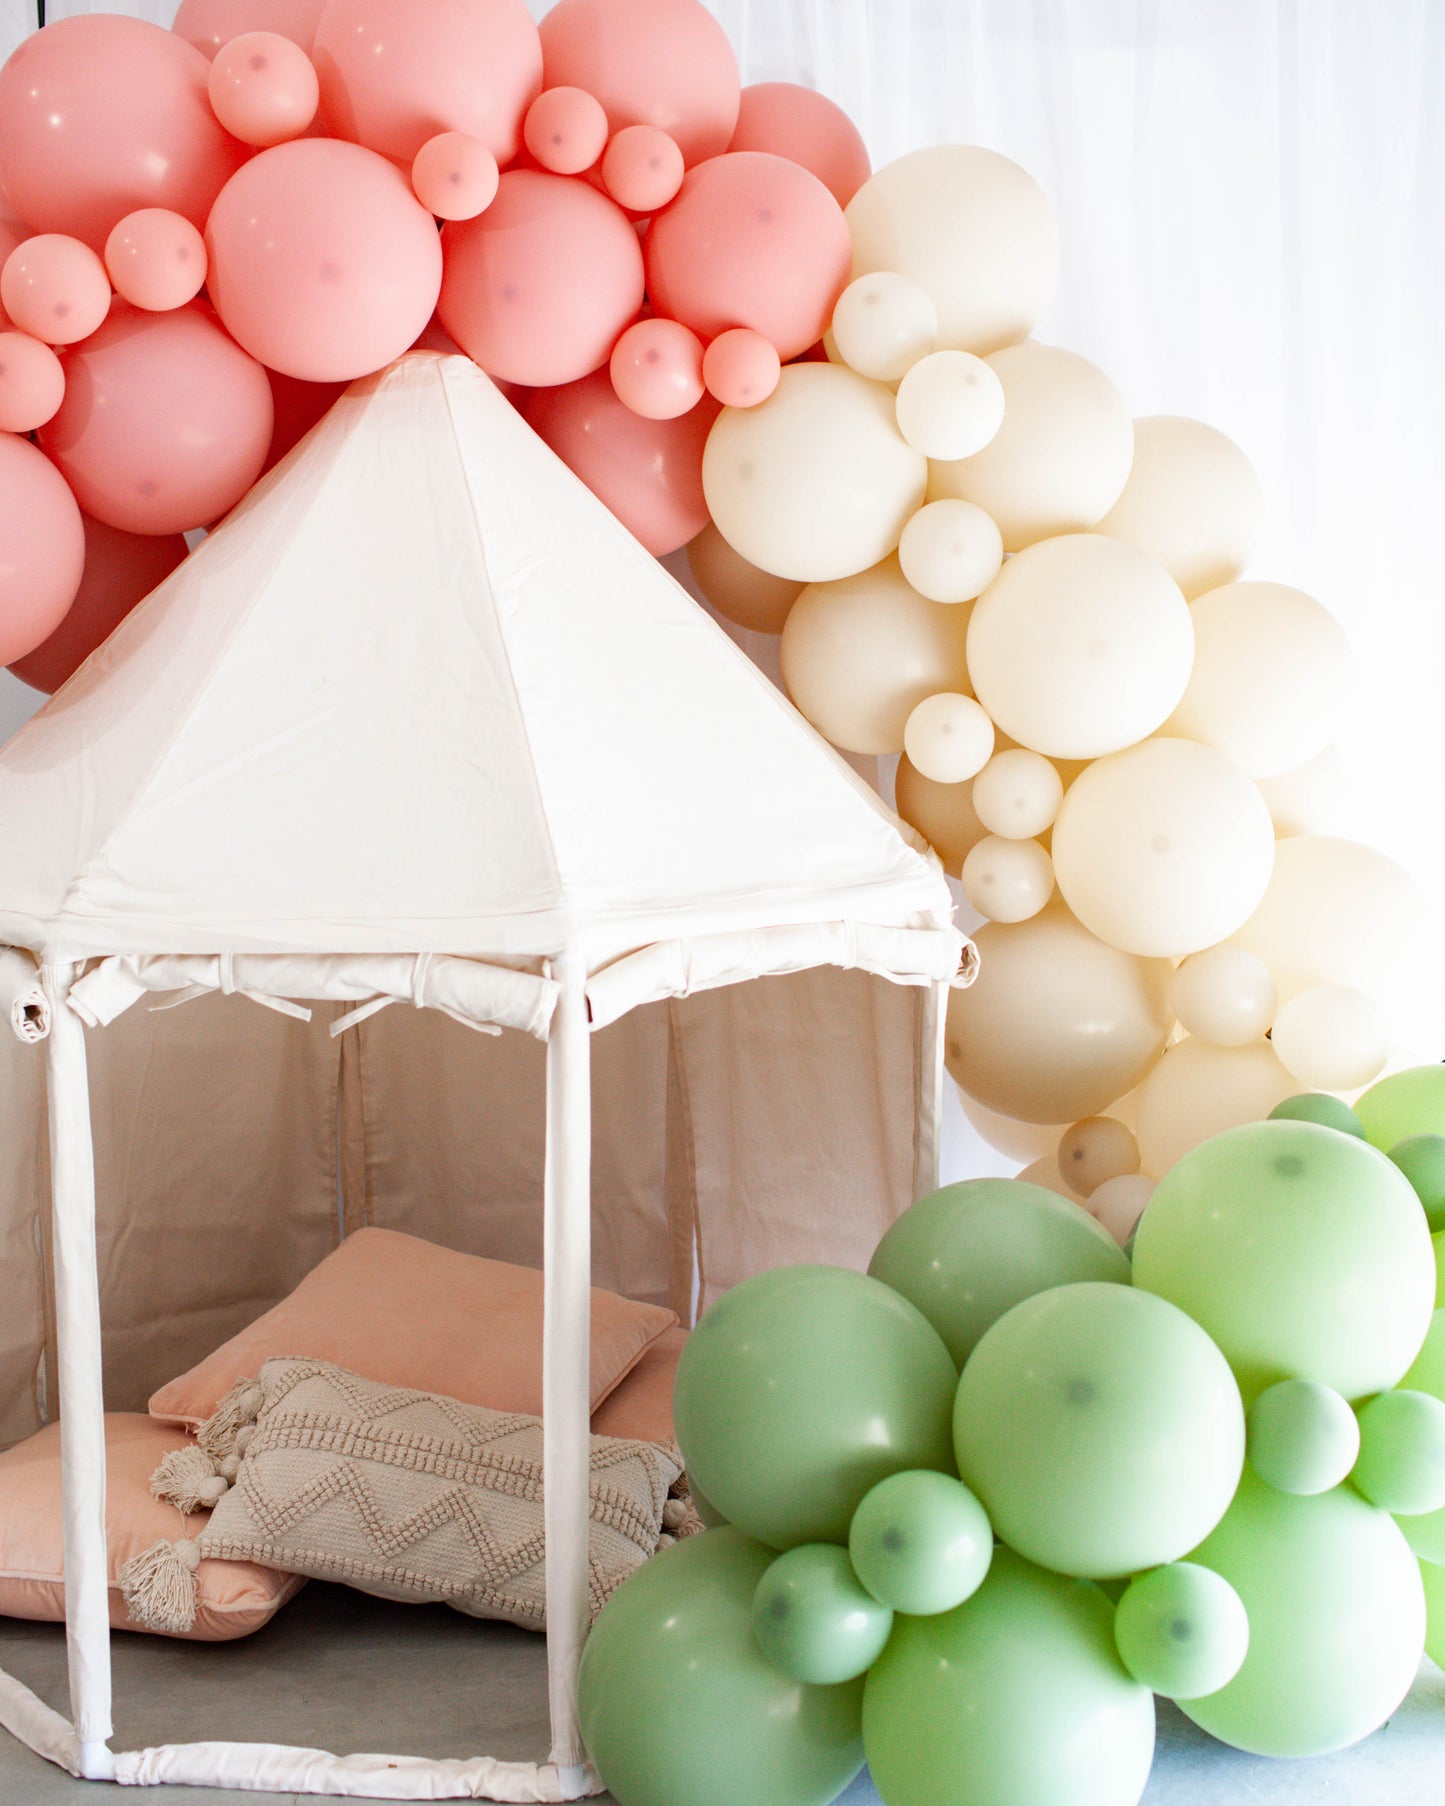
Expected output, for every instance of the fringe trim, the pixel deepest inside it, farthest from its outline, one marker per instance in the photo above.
(189, 1479)
(224, 1428)
(159, 1586)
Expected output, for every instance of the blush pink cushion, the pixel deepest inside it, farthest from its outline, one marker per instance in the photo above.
(234, 1598)
(641, 1407)
(402, 1311)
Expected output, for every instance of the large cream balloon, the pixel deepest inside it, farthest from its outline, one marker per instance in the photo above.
(1332, 1038)
(1061, 457)
(1271, 668)
(1163, 849)
(1007, 1135)
(739, 591)
(859, 656)
(942, 813)
(1197, 1090)
(971, 228)
(1057, 1024)
(1314, 798)
(816, 482)
(1192, 501)
(1080, 646)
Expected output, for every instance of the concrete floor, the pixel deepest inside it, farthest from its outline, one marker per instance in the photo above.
(341, 1671)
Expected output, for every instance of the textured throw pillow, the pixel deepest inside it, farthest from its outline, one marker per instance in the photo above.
(400, 1310)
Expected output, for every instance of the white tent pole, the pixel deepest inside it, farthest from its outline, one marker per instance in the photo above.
(82, 1407)
(566, 1445)
(930, 1091)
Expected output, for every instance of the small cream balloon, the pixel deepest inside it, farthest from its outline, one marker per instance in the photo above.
(948, 737)
(1332, 1038)
(1017, 794)
(739, 591)
(951, 551)
(1314, 798)
(1008, 880)
(1225, 995)
(1094, 1149)
(942, 813)
(950, 405)
(1197, 1091)
(883, 324)
(1045, 1171)
(1119, 1203)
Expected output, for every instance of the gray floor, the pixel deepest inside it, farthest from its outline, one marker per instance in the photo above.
(344, 1672)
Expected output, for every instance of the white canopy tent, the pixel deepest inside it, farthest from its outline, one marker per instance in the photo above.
(421, 722)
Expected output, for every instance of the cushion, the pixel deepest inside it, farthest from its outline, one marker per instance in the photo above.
(233, 1598)
(403, 1311)
(642, 1405)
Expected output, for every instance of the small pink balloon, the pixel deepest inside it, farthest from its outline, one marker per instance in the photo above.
(165, 421)
(805, 127)
(55, 288)
(741, 368)
(565, 130)
(539, 287)
(657, 369)
(208, 24)
(455, 176)
(32, 383)
(156, 259)
(42, 547)
(298, 406)
(323, 263)
(751, 240)
(642, 168)
(263, 88)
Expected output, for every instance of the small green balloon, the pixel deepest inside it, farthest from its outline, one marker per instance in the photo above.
(1425, 1531)
(1437, 1242)
(1319, 1107)
(1303, 1437)
(1421, 1158)
(1182, 1631)
(814, 1621)
(1406, 1103)
(968, 1253)
(921, 1542)
(1434, 1581)
(1402, 1453)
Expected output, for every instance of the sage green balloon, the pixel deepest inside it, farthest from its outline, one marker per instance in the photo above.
(1304, 1253)
(921, 1542)
(1434, 1581)
(1402, 1453)
(799, 1390)
(1303, 1437)
(1437, 1242)
(813, 1619)
(1015, 1698)
(1101, 1428)
(1425, 1531)
(678, 1703)
(1336, 1620)
(1319, 1107)
(968, 1253)
(1406, 1103)
(1421, 1158)
(1182, 1630)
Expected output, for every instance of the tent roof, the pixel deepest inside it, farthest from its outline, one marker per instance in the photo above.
(421, 692)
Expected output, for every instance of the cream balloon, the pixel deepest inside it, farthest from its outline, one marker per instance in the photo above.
(1022, 1141)
(738, 590)
(1225, 995)
(1094, 1149)
(951, 551)
(1197, 1090)
(1192, 502)
(1061, 458)
(1045, 1171)
(1119, 1203)
(950, 405)
(1163, 849)
(1017, 794)
(816, 482)
(1008, 880)
(942, 813)
(1332, 1038)
(949, 738)
(883, 324)
(1057, 1024)
(1314, 798)
(1080, 646)
(972, 229)
(1271, 668)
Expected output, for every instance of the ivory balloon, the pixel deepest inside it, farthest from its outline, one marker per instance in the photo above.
(948, 737)
(1094, 1149)
(1312, 799)
(1017, 794)
(738, 590)
(951, 551)
(1008, 880)
(950, 405)
(1225, 996)
(883, 324)
(1045, 1171)
(1197, 1090)
(1119, 1203)
(1332, 1038)
(942, 813)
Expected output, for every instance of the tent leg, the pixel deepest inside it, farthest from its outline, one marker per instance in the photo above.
(930, 1117)
(566, 1387)
(82, 1406)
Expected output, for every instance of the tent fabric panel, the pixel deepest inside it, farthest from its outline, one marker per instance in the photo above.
(26, 1366)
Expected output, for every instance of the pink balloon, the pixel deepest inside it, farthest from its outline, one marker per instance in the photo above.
(100, 115)
(263, 88)
(42, 547)
(165, 421)
(298, 406)
(666, 63)
(323, 263)
(32, 383)
(741, 368)
(656, 369)
(121, 569)
(55, 288)
(13, 232)
(565, 130)
(642, 168)
(539, 287)
(648, 472)
(156, 259)
(805, 127)
(208, 24)
(455, 176)
(396, 72)
(751, 240)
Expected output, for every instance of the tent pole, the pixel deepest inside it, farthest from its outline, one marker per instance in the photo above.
(82, 1407)
(930, 1118)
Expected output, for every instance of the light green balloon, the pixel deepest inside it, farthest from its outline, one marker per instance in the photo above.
(1101, 1428)
(1406, 1103)
(1402, 1453)
(678, 1703)
(968, 1253)
(814, 1621)
(1319, 1107)
(1304, 1253)
(1425, 1531)
(1434, 1582)
(1182, 1630)
(1303, 1437)
(1437, 1242)
(799, 1390)
(921, 1542)
(1421, 1158)
(1336, 1621)
(1015, 1698)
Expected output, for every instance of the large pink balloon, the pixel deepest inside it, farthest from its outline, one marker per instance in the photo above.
(396, 72)
(323, 263)
(538, 288)
(208, 24)
(650, 62)
(165, 421)
(751, 240)
(101, 115)
(42, 547)
(648, 472)
(805, 127)
(120, 569)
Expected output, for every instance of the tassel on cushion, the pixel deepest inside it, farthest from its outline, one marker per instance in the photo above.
(226, 1426)
(159, 1586)
(189, 1479)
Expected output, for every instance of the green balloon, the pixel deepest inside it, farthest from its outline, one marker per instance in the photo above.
(1434, 1581)
(1319, 1107)
(921, 1542)
(1421, 1158)
(814, 1621)
(968, 1253)
(1303, 1437)
(799, 1390)
(1304, 1253)
(1336, 1621)
(1407, 1103)
(1437, 1242)
(1425, 1531)
(1182, 1630)
(1101, 1428)
(1402, 1453)
(1015, 1698)
(678, 1703)
(711, 1517)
